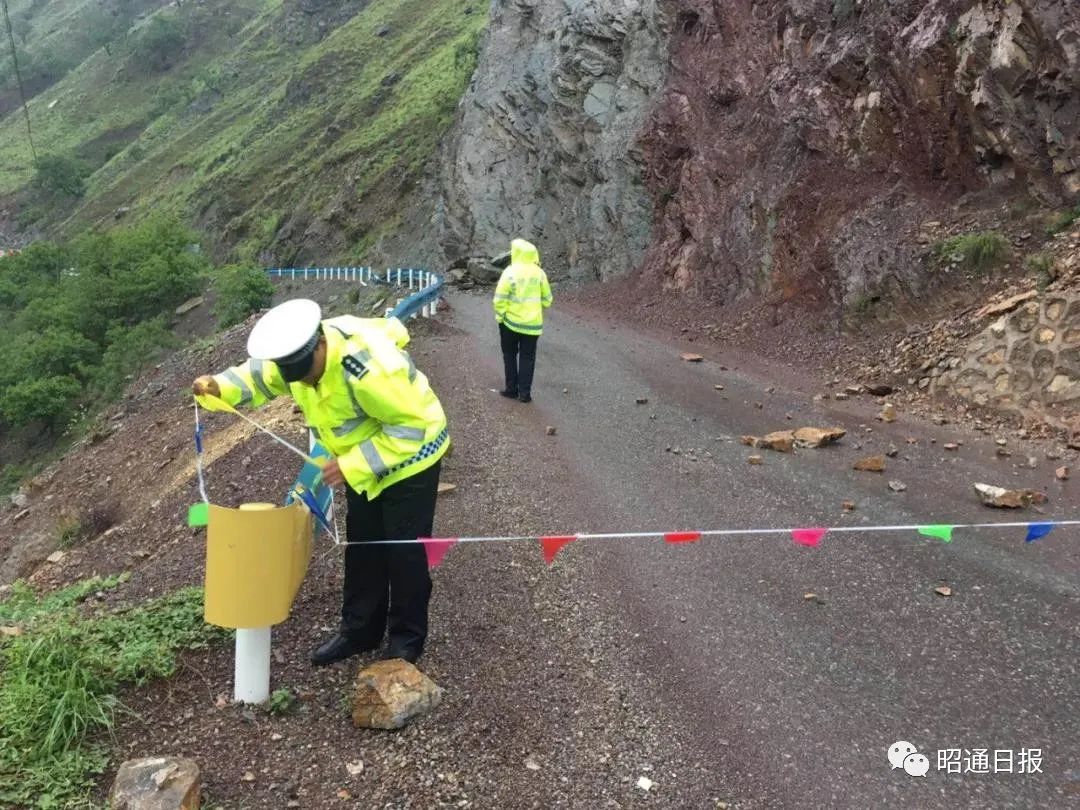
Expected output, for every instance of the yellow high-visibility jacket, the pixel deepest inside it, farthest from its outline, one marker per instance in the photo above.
(523, 292)
(371, 409)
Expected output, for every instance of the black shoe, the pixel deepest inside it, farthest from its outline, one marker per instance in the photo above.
(508, 394)
(338, 649)
(524, 398)
(410, 654)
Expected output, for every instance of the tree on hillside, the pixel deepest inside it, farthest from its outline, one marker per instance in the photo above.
(161, 43)
(241, 290)
(108, 24)
(60, 174)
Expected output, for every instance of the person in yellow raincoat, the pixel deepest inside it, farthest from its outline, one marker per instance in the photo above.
(521, 296)
(386, 431)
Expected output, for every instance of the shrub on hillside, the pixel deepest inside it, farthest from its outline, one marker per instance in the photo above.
(980, 252)
(160, 44)
(84, 316)
(241, 290)
(60, 174)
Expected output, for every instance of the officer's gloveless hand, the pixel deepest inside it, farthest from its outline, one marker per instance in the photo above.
(206, 385)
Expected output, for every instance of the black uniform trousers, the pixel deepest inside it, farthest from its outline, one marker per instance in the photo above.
(387, 586)
(519, 360)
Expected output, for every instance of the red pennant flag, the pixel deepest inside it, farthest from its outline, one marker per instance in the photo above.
(808, 537)
(682, 537)
(436, 549)
(553, 545)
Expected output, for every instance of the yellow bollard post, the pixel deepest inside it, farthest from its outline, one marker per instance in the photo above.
(256, 558)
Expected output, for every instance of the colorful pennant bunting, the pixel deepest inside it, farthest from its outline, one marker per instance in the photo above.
(941, 532)
(551, 546)
(436, 549)
(198, 514)
(1037, 531)
(808, 537)
(682, 537)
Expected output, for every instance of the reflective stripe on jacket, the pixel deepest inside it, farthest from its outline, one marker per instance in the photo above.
(371, 408)
(523, 292)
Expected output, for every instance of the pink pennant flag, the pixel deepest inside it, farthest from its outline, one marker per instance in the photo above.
(682, 537)
(436, 549)
(808, 537)
(553, 545)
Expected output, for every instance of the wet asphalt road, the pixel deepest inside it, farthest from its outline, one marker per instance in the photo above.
(788, 701)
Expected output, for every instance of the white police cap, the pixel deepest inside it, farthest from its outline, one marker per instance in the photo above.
(287, 333)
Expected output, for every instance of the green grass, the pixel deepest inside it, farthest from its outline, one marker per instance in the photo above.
(978, 252)
(59, 682)
(1063, 221)
(318, 129)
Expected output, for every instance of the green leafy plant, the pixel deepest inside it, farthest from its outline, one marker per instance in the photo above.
(161, 43)
(1041, 266)
(1063, 221)
(281, 701)
(241, 290)
(978, 252)
(61, 676)
(60, 174)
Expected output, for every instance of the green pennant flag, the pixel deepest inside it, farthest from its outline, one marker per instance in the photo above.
(198, 514)
(942, 533)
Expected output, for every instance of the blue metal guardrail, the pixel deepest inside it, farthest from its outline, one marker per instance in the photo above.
(428, 285)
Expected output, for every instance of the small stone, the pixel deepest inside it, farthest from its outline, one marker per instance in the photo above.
(759, 405)
(848, 506)
(854, 390)
(718, 387)
(897, 486)
(782, 441)
(1001, 442)
(888, 412)
(879, 390)
(19, 500)
(156, 783)
(870, 464)
(446, 487)
(690, 357)
(818, 437)
(566, 390)
(550, 430)
(1062, 473)
(56, 556)
(275, 737)
(10, 630)
(354, 768)
(645, 783)
(1009, 498)
(943, 590)
(249, 776)
(840, 396)
(189, 305)
(951, 446)
(1002, 452)
(754, 460)
(390, 693)
(893, 451)
(642, 400)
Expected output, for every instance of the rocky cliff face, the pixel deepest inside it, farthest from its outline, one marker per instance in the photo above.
(546, 139)
(799, 142)
(789, 148)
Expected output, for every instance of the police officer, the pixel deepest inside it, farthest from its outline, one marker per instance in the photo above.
(386, 431)
(521, 296)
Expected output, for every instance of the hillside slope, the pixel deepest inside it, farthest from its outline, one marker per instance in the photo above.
(288, 130)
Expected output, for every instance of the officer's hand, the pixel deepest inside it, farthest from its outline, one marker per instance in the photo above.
(206, 385)
(331, 473)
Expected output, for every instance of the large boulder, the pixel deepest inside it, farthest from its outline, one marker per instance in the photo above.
(389, 694)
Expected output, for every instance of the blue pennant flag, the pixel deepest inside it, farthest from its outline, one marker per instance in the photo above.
(1037, 531)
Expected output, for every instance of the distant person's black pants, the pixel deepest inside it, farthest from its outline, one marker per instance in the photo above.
(519, 360)
(388, 585)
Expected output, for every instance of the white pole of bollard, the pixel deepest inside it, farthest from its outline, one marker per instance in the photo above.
(251, 671)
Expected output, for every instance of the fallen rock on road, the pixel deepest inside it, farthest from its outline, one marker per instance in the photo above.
(1002, 498)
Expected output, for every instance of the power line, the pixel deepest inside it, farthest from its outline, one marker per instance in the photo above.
(18, 78)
